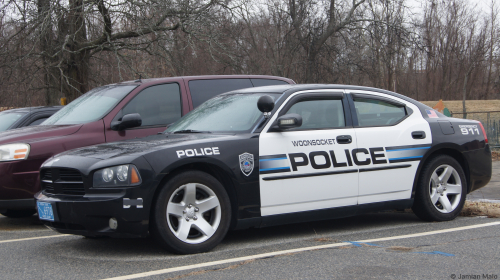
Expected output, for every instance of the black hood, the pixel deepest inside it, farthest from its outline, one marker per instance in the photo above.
(141, 146)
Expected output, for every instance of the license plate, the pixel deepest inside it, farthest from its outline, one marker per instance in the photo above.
(45, 211)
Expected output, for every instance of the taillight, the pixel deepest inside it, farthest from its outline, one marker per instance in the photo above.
(484, 133)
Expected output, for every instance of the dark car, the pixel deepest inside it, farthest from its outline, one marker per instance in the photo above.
(106, 114)
(21, 117)
(266, 156)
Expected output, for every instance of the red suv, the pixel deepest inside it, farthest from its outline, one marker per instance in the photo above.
(105, 114)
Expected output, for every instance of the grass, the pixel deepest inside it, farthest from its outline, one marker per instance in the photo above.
(495, 155)
(478, 208)
(471, 105)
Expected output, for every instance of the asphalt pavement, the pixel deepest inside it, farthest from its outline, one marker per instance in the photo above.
(388, 245)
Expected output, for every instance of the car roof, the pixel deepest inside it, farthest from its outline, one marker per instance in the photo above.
(301, 87)
(203, 77)
(32, 109)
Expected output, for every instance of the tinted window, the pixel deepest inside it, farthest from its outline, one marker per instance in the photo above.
(157, 105)
(37, 122)
(91, 106)
(317, 114)
(227, 112)
(372, 112)
(7, 119)
(202, 90)
(266, 82)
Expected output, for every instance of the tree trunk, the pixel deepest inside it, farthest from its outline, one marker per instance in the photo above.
(78, 61)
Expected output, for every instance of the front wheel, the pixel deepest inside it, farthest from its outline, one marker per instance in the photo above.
(441, 190)
(191, 214)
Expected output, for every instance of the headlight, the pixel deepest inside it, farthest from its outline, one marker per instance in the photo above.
(117, 176)
(14, 152)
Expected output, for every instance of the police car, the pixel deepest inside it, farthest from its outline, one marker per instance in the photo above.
(266, 156)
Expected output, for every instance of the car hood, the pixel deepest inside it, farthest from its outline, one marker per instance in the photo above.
(31, 134)
(140, 146)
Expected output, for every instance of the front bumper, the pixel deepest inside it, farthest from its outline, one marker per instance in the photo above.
(19, 183)
(17, 204)
(89, 215)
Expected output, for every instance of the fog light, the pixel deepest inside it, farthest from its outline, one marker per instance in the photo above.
(113, 223)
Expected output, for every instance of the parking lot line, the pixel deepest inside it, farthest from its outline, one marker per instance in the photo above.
(283, 252)
(33, 238)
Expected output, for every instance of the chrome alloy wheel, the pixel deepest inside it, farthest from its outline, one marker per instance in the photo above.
(193, 213)
(445, 188)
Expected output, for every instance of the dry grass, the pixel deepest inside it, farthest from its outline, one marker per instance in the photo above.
(400, 248)
(477, 208)
(5, 108)
(324, 239)
(495, 155)
(455, 106)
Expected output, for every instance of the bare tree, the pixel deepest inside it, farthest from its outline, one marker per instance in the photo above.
(316, 21)
(60, 39)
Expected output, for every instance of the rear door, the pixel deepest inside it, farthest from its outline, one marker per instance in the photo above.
(392, 137)
(309, 167)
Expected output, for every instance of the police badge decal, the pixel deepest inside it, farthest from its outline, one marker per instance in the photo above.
(246, 163)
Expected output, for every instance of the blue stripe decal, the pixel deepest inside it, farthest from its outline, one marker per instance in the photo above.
(423, 148)
(266, 159)
(277, 168)
(405, 158)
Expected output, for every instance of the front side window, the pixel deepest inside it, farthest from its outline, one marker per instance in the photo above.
(8, 118)
(157, 105)
(223, 113)
(374, 112)
(91, 106)
(319, 113)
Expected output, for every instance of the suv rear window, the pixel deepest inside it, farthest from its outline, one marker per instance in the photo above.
(202, 90)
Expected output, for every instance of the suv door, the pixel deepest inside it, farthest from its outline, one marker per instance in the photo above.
(307, 168)
(393, 136)
(158, 105)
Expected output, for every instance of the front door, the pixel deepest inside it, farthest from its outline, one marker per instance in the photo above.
(158, 105)
(309, 167)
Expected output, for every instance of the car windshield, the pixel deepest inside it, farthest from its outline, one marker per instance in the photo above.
(91, 106)
(223, 113)
(8, 118)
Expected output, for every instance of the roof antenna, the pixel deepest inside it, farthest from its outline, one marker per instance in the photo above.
(139, 80)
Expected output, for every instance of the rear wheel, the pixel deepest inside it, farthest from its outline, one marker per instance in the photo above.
(441, 190)
(191, 214)
(24, 213)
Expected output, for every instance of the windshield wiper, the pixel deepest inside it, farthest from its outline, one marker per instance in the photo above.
(191, 131)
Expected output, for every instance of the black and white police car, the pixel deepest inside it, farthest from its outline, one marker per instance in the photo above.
(266, 156)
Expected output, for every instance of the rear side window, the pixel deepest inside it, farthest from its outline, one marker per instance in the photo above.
(38, 121)
(202, 90)
(374, 112)
(267, 82)
(319, 114)
(157, 105)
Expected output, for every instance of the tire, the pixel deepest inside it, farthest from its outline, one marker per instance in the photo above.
(199, 213)
(441, 190)
(24, 213)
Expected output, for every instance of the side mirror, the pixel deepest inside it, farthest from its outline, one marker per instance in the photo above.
(265, 104)
(127, 121)
(289, 121)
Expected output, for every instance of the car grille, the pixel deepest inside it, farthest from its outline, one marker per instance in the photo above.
(62, 181)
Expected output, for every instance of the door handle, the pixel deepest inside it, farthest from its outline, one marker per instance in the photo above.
(418, 135)
(344, 139)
